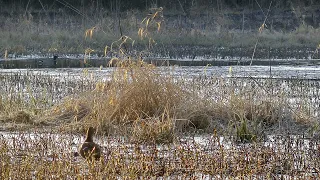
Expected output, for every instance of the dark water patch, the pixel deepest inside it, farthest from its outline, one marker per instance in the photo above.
(51, 63)
(183, 55)
(79, 63)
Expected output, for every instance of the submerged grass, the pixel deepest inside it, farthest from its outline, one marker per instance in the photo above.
(50, 155)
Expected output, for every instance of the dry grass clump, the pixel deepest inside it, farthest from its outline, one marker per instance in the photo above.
(267, 112)
(26, 94)
(70, 110)
(142, 92)
(12, 111)
(21, 117)
(248, 108)
(154, 131)
(9, 105)
(139, 101)
(16, 121)
(196, 113)
(253, 117)
(137, 92)
(249, 119)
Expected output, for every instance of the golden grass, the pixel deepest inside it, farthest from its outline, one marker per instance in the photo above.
(150, 105)
(138, 92)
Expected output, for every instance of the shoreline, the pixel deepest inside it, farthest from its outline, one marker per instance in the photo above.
(78, 62)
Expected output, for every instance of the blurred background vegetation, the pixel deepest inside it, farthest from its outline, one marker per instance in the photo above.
(178, 5)
(58, 26)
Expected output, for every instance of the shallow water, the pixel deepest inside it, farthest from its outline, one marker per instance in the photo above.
(205, 142)
(298, 148)
(299, 84)
(307, 72)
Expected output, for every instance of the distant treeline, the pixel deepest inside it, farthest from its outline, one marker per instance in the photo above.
(184, 6)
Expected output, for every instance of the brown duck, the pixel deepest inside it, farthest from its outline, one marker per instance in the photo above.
(90, 149)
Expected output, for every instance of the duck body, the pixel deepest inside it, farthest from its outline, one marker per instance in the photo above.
(89, 149)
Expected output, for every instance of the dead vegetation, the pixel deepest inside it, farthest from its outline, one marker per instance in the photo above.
(42, 155)
(150, 105)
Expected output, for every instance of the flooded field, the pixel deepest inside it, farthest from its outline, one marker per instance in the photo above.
(50, 155)
(55, 84)
(241, 122)
(284, 71)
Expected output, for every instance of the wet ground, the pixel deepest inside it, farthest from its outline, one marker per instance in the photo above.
(191, 157)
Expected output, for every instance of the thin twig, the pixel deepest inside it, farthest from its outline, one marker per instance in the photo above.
(260, 30)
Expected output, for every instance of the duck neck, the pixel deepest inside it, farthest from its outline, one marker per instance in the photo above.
(89, 138)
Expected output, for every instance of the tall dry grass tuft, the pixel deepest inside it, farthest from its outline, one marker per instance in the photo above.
(142, 92)
(136, 94)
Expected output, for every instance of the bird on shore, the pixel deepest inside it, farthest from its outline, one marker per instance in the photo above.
(89, 149)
